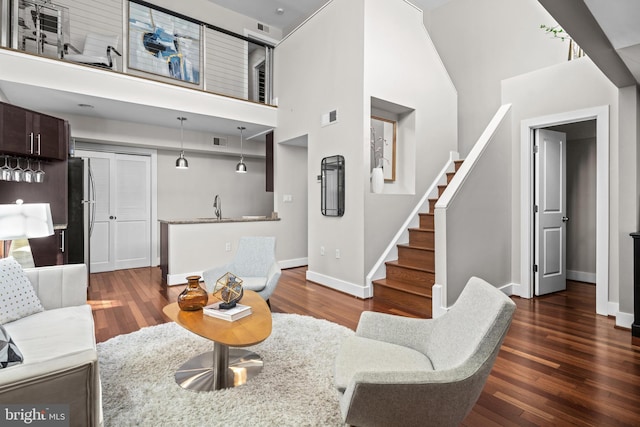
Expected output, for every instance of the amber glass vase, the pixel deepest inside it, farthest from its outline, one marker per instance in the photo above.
(193, 297)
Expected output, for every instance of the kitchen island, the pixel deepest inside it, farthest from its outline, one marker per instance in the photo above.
(191, 246)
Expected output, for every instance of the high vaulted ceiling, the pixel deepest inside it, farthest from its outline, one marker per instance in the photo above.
(608, 31)
(288, 14)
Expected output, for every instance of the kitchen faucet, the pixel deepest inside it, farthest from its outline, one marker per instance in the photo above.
(217, 206)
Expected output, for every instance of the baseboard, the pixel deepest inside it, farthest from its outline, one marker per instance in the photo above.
(340, 285)
(293, 263)
(508, 289)
(581, 276)
(623, 320)
(181, 279)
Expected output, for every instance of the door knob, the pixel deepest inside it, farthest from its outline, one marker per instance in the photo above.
(565, 219)
(113, 217)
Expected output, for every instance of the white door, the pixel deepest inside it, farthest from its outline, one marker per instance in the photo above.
(121, 229)
(551, 201)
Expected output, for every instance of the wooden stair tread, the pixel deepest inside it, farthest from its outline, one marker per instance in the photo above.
(419, 248)
(395, 263)
(397, 284)
(422, 230)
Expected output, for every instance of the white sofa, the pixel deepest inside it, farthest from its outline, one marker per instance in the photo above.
(59, 348)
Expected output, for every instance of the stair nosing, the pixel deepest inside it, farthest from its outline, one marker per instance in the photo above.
(420, 248)
(409, 267)
(430, 230)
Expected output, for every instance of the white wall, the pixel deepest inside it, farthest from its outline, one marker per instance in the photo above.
(318, 71)
(483, 42)
(291, 172)
(188, 194)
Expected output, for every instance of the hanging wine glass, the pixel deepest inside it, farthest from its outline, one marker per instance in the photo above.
(28, 174)
(39, 178)
(5, 171)
(17, 172)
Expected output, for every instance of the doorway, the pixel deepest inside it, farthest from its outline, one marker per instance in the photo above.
(528, 128)
(122, 233)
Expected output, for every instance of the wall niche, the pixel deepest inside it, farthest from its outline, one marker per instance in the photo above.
(392, 148)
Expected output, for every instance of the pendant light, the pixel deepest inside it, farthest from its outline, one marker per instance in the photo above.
(181, 162)
(241, 167)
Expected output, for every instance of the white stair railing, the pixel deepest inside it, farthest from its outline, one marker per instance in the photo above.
(472, 219)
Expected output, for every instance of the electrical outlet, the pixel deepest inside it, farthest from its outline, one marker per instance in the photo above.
(322, 250)
(227, 247)
(337, 253)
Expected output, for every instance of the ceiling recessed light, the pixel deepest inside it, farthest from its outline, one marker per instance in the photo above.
(85, 106)
(280, 11)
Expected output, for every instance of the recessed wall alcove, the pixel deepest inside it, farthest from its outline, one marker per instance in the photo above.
(399, 148)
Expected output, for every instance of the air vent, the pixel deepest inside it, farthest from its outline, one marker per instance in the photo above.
(329, 118)
(262, 27)
(219, 142)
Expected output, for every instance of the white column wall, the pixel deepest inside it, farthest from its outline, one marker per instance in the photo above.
(319, 68)
(402, 66)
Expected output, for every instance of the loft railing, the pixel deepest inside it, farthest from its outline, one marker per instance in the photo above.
(146, 40)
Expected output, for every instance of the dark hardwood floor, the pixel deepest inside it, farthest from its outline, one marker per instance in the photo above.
(560, 364)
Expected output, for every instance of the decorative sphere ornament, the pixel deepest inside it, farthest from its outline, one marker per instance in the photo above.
(228, 288)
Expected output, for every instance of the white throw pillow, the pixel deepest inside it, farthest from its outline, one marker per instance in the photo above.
(17, 297)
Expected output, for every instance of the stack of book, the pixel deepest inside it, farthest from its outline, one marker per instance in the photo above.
(229, 314)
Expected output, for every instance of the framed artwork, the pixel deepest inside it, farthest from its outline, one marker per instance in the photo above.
(383, 146)
(164, 44)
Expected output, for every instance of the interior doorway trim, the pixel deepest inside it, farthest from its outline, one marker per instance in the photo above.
(106, 147)
(527, 127)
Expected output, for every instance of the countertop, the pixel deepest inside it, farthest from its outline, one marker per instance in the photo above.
(215, 220)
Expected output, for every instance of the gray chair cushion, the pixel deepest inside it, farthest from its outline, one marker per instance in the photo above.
(254, 283)
(359, 354)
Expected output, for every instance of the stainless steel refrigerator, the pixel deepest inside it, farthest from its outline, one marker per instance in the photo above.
(80, 216)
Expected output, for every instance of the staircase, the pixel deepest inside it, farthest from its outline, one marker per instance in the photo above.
(410, 278)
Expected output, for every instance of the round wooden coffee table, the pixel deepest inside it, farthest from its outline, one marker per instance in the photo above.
(223, 367)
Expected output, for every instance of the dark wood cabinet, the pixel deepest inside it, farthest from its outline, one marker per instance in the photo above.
(44, 139)
(51, 250)
(28, 133)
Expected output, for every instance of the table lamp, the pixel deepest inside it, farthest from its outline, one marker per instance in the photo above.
(22, 221)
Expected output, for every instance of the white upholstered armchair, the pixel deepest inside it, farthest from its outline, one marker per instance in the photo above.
(422, 372)
(98, 51)
(254, 262)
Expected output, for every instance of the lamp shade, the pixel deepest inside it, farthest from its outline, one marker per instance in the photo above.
(181, 162)
(29, 220)
(241, 167)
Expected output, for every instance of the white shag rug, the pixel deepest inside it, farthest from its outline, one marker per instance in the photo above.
(295, 387)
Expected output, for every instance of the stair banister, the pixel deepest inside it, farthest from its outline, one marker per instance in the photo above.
(439, 290)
